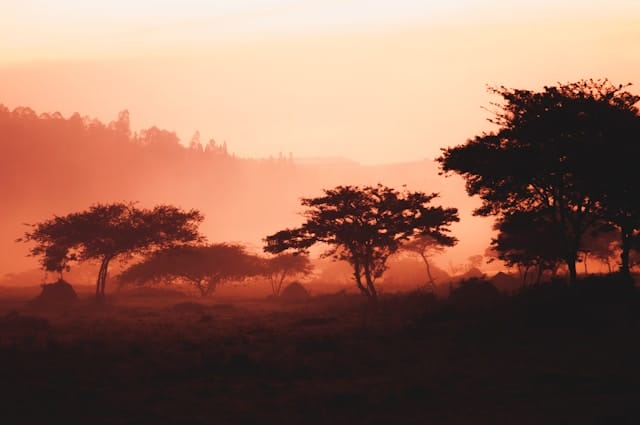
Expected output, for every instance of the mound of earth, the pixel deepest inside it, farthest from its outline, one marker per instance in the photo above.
(294, 292)
(56, 294)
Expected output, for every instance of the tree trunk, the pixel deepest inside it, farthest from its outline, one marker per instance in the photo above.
(99, 280)
(102, 278)
(280, 282)
(573, 273)
(373, 294)
(357, 275)
(426, 263)
(539, 276)
(624, 255)
(524, 276)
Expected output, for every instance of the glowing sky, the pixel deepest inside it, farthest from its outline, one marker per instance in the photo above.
(375, 81)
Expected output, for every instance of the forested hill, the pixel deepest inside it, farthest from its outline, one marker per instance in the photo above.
(51, 164)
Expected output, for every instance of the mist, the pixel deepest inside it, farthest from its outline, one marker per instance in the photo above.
(52, 165)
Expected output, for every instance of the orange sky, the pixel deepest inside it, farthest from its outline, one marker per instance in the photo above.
(374, 81)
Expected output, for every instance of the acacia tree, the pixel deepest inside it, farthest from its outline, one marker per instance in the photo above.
(425, 247)
(105, 232)
(548, 155)
(204, 267)
(283, 265)
(364, 226)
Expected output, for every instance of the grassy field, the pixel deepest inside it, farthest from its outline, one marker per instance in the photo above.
(553, 355)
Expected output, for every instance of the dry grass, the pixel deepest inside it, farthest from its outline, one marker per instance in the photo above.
(334, 359)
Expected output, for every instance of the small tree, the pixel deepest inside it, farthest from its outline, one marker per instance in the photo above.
(105, 232)
(204, 267)
(283, 265)
(364, 226)
(426, 246)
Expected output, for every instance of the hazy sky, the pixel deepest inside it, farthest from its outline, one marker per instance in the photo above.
(375, 81)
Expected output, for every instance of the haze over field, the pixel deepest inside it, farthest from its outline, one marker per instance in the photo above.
(373, 82)
(225, 212)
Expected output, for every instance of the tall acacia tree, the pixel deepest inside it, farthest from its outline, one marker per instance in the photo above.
(105, 232)
(549, 154)
(364, 226)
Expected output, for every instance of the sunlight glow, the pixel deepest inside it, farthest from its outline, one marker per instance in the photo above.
(35, 29)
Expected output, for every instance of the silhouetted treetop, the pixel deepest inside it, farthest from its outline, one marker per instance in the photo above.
(364, 226)
(550, 152)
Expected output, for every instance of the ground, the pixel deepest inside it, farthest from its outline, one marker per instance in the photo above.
(548, 358)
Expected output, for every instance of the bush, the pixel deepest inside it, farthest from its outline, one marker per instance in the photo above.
(474, 293)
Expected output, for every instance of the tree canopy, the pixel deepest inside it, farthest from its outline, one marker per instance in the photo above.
(364, 226)
(552, 152)
(204, 267)
(108, 231)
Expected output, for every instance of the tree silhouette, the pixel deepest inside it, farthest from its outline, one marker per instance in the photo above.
(426, 246)
(617, 188)
(283, 265)
(105, 232)
(204, 267)
(549, 153)
(364, 226)
(528, 240)
(601, 243)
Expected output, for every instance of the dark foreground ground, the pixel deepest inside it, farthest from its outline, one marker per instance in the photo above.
(555, 355)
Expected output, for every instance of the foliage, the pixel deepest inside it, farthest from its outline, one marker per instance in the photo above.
(108, 231)
(283, 265)
(204, 267)
(550, 153)
(364, 226)
(528, 239)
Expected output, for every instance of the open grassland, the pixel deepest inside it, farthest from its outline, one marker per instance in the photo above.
(549, 356)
